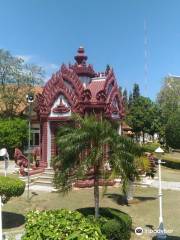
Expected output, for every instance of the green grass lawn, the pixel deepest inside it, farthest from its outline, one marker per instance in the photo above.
(171, 175)
(173, 155)
(144, 212)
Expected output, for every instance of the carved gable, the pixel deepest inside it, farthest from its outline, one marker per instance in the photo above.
(60, 107)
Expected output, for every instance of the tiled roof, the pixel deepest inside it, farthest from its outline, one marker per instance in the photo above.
(95, 86)
(125, 126)
(38, 89)
(22, 107)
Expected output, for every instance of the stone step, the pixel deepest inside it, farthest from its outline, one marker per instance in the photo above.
(49, 170)
(36, 171)
(48, 173)
(43, 183)
(32, 178)
(45, 177)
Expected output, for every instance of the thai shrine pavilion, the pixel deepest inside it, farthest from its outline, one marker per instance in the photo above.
(76, 88)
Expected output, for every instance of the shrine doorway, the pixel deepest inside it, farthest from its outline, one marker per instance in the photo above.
(52, 148)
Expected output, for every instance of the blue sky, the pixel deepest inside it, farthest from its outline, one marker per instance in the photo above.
(48, 33)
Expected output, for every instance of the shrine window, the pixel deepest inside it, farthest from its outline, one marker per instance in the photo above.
(35, 137)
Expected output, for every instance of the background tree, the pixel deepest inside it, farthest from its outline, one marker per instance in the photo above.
(136, 91)
(172, 131)
(16, 80)
(125, 99)
(130, 100)
(14, 133)
(91, 136)
(156, 124)
(107, 69)
(141, 116)
(168, 101)
(169, 97)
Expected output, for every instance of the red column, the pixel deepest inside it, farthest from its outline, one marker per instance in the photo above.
(44, 142)
(53, 142)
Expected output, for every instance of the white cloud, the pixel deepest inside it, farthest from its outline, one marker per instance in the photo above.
(52, 66)
(49, 68)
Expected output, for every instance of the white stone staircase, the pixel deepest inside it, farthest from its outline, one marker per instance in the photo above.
(45, 178)
(41, 181)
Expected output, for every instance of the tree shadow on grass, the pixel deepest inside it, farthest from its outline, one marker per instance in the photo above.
(173, 238)
(12, 220)
(169, 238)
(121, 200)
(118, 198)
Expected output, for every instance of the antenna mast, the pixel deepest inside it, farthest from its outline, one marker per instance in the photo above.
(145, 58)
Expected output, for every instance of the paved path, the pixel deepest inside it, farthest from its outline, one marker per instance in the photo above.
(12, 235)
(11, 167)
(166, 185)
(41, 188)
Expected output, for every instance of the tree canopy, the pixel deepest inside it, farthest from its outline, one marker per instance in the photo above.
(14, 133)
(169, 97)
(172, 131)
(136, 91)
(125, 98)
(142, 116)
(16, 80)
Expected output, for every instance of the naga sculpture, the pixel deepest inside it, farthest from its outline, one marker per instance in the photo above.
(36, 155)
(21, 161)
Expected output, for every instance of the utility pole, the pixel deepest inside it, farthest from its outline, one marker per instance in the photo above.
(145, 57)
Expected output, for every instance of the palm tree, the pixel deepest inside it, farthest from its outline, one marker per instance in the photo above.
(81, 147)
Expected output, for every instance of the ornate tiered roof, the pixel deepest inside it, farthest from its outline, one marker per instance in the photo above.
(83, 88)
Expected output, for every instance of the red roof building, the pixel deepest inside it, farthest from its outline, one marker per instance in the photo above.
(77, 89)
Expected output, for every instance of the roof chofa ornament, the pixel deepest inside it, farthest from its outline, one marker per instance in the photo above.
(81, 58)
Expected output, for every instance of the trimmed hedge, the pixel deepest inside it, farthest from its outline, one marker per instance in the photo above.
(171, 163)
(60, 224)
(114, 224)
(150, 147)
(10, 187)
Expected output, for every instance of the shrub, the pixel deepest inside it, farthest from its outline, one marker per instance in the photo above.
(114, 229)
(60, 224)
(10, 187)
(117, 225)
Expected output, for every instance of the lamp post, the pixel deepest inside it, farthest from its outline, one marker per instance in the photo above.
(30, 100)
(160, 234)
(5, 155)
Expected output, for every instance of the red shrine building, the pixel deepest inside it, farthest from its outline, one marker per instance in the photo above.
(75, 88)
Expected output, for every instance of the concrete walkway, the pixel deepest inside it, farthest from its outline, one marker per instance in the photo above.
(166, 185)
(11, 167)
(146, 181)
